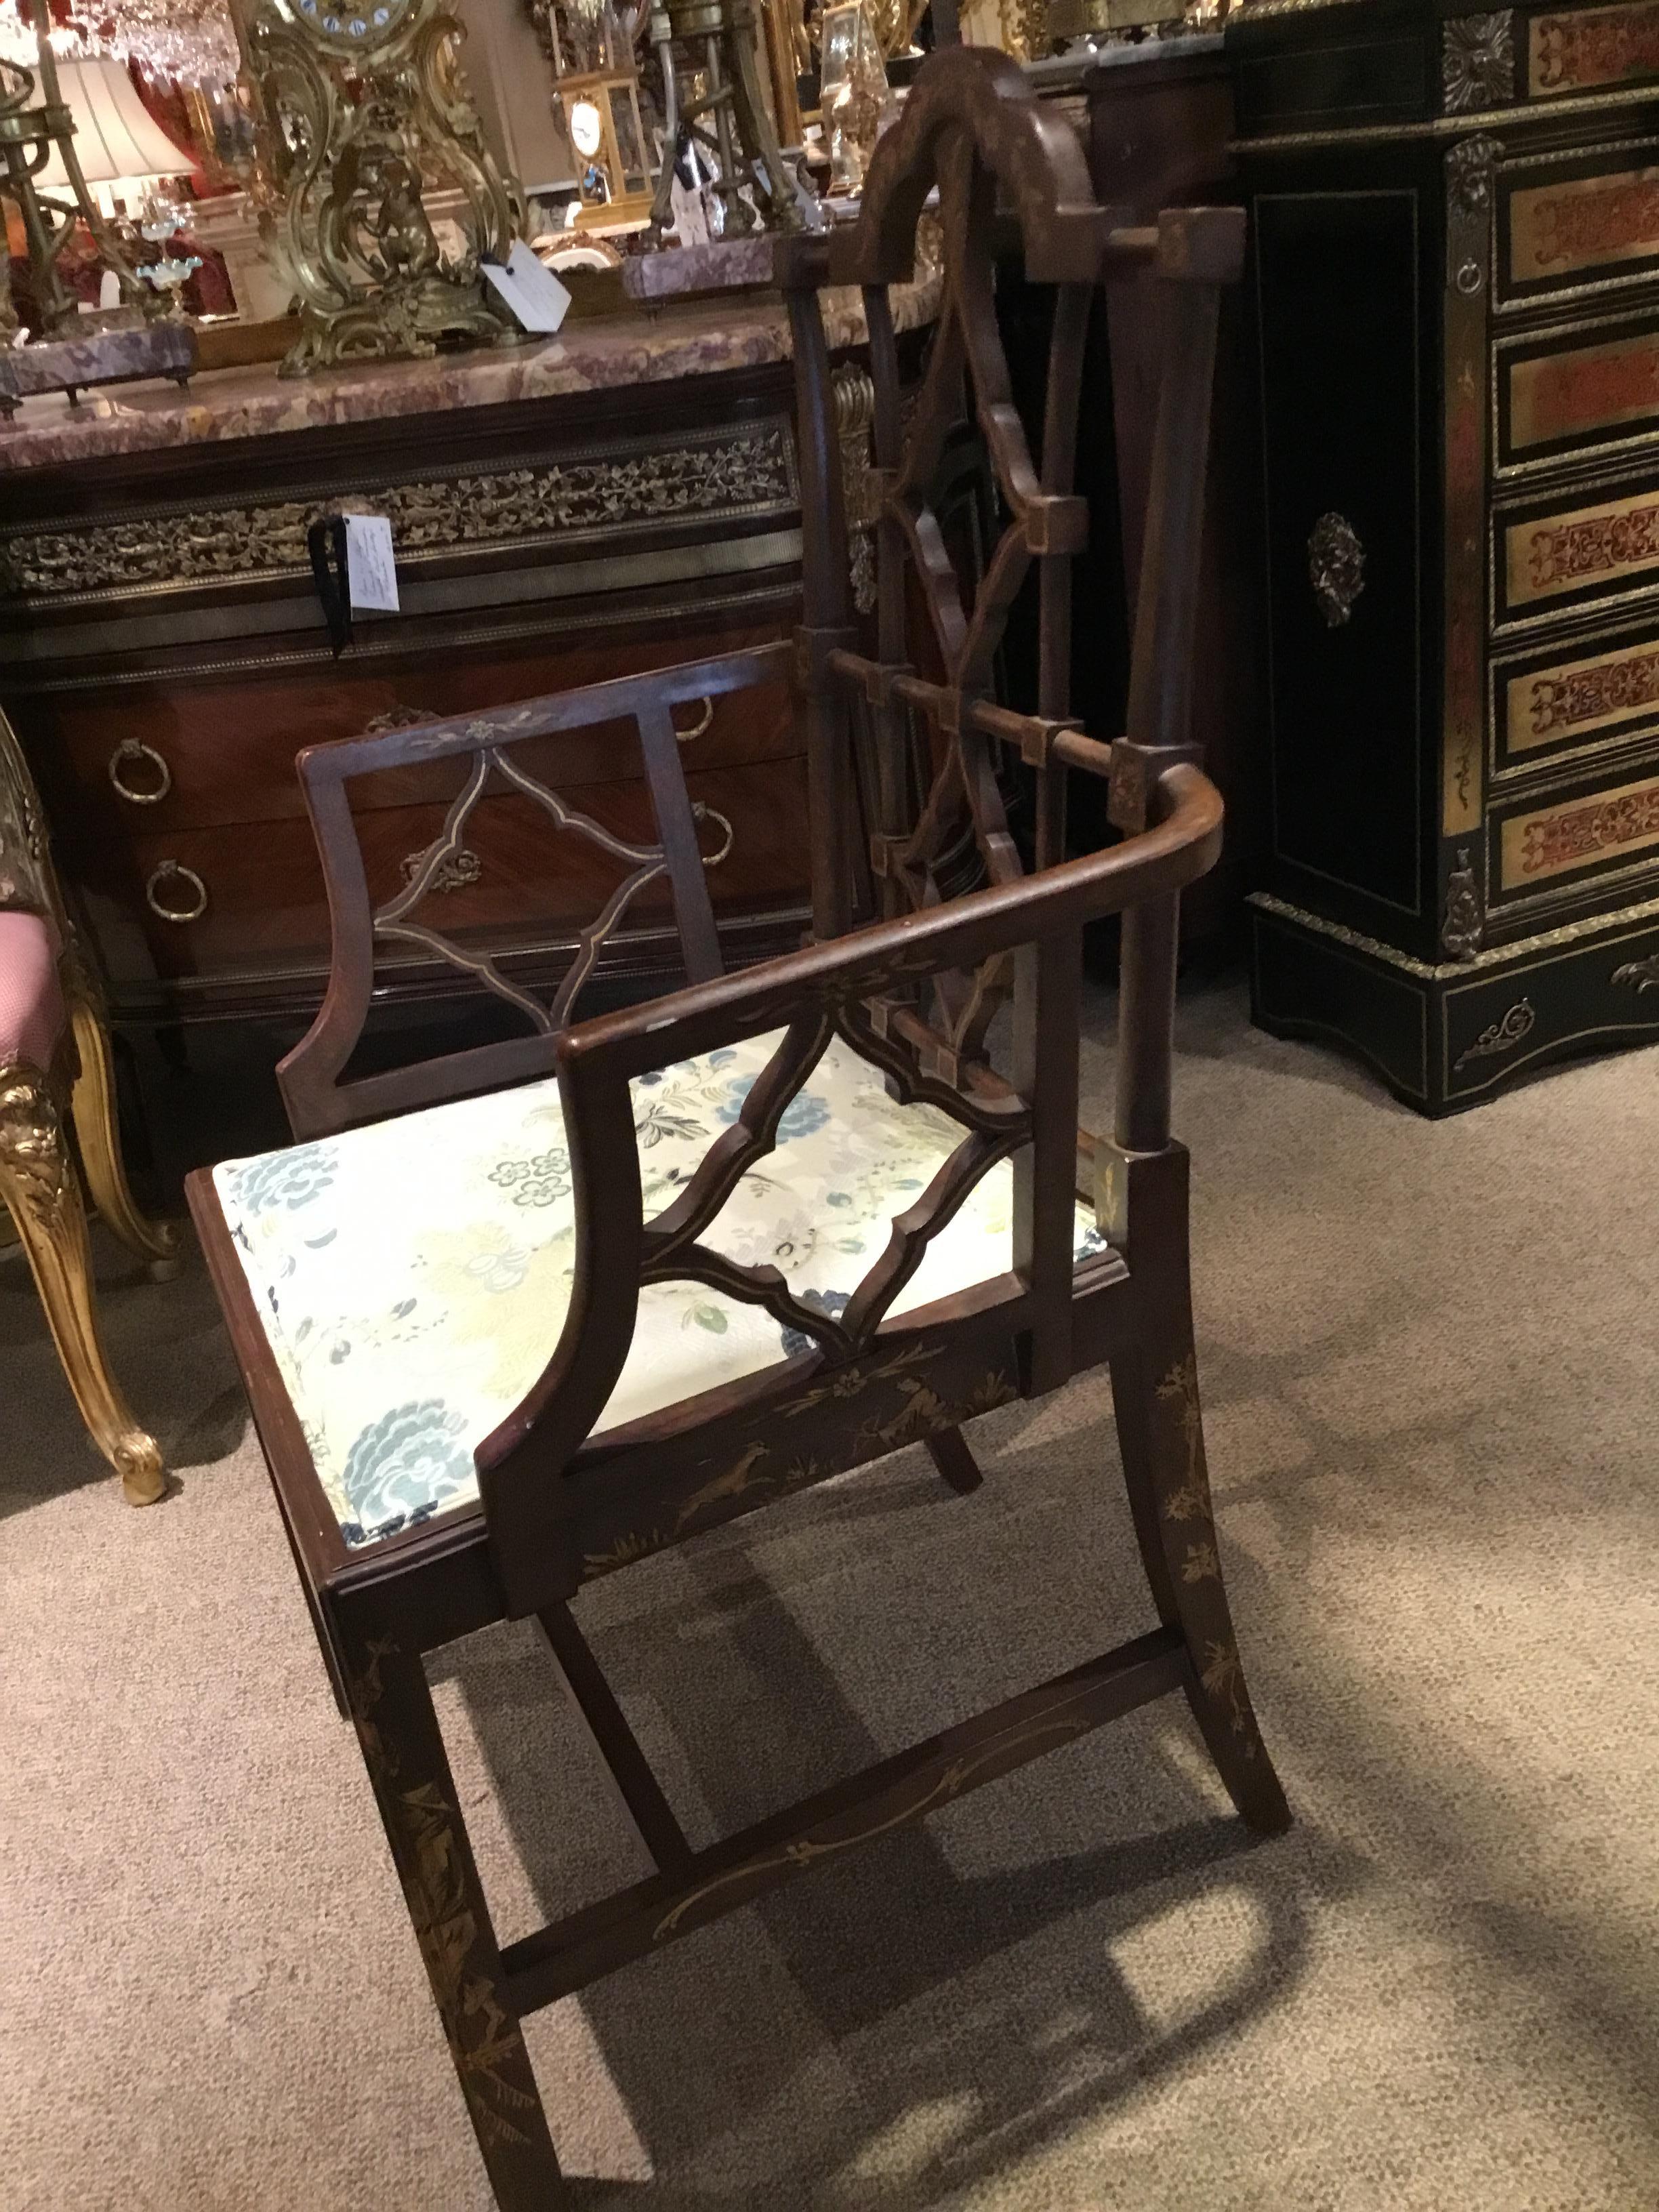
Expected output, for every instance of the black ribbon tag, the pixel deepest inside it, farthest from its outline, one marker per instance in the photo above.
(325, 542)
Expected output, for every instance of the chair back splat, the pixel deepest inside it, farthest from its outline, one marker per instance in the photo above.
(687, 1162)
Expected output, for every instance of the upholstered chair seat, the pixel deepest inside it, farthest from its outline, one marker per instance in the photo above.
(411, 1275)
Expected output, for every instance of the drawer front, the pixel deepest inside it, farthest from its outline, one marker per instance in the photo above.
(1551, 705)
(1591, 387)
(1574, 838)
(1577, 548)
(1581, 223)
(194, 757)
(214, 901)
(1576, 997)
(1573, 50)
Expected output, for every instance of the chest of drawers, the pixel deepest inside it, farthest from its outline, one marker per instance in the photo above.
(625, 497)
(1456, 231)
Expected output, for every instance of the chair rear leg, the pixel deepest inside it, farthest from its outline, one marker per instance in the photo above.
(950, 1453)
(42, 1193)
(1160, 1429)
(391, 1705)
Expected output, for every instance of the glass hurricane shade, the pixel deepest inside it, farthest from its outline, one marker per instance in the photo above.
(118, 141)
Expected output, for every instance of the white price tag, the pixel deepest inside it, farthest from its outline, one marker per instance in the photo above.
(534, 294)
(371, 570)
(690, 215)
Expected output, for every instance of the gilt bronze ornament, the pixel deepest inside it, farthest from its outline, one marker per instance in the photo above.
(361, 108)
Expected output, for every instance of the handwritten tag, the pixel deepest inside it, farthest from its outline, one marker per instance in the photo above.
(534, 294)
(371, 568)
(690, 215)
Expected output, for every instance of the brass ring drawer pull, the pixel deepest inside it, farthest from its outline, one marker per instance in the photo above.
(135, 748)
(698, 727)
(703, 813)
(159, 876)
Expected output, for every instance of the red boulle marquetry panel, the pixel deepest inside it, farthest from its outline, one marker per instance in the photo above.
(1580, 832)
(1587, 546)
(1573, 226)
(1581, 49)
(1583, 392)
(1572, 700)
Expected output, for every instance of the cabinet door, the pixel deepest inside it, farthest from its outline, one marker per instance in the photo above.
(1342, 353)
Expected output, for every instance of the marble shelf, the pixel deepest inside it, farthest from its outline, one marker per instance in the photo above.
(702, 338)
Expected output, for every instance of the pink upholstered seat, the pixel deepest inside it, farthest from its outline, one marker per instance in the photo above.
(32, 1015)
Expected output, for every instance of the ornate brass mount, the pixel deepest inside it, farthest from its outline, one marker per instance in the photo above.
(1477, 61)
(357, 115)
(1638, 976)
(1336, 566)
(1464, 921)
(1500, 1037)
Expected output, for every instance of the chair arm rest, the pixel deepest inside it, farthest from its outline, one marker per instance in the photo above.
(1178, 848)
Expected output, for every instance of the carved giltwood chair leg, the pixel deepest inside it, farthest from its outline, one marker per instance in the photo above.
(1160, 1427)
(390, 1706)
(42, 1193)
(91, 1104)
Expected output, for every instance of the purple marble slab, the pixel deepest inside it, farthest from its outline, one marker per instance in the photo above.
(721, 264)
(697, 339)
(100, 356)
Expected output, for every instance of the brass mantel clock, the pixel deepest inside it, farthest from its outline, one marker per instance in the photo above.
(363, 109)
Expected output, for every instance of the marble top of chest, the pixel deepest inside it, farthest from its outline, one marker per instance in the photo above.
(702, 338)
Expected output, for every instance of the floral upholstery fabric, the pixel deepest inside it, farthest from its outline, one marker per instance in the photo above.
(413, 1276)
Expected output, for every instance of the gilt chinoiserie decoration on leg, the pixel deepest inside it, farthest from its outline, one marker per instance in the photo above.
(360, 110)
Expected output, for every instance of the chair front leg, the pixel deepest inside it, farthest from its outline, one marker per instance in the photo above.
(1160, 1427)
(91, 1103)
(42, 1194)
(402, 1747)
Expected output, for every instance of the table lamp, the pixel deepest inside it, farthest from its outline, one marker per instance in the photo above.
(122, 149)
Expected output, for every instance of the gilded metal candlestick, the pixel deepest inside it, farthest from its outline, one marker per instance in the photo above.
(721, 38)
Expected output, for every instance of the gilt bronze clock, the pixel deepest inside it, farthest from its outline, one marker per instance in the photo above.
(360, 113)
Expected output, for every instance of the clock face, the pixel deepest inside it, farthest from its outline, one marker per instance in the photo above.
(350, 27)
(587, 131)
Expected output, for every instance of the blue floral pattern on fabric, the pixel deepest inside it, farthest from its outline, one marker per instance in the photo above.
(805, 1113)
(290, 1179)
(833, 1302)
(410, 1461)
(412, 1276)
(538, 1180)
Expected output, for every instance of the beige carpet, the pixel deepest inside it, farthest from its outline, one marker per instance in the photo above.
(1431, 1368)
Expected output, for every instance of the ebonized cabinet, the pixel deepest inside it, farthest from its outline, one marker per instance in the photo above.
(1455, 223)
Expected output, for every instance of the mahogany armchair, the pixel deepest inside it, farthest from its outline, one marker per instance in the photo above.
(56, 1075)
(514, 1318)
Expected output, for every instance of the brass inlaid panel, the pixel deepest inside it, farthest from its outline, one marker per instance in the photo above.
(1556, 553)
(1547, 706)
(626, 486)
(1575, 834)
(1588, 388)
(1591, 46)
(1566, 229)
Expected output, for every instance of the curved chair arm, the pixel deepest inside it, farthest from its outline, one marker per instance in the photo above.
(598, 1059)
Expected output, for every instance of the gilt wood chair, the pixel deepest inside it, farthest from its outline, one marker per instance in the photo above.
(514, 1318)
(57, 1074)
